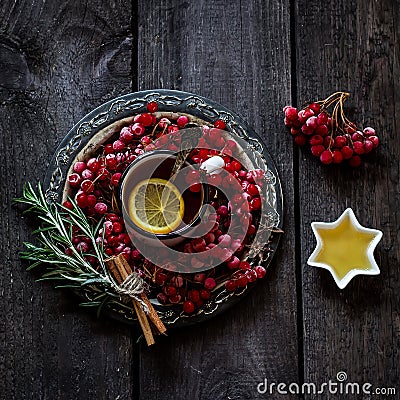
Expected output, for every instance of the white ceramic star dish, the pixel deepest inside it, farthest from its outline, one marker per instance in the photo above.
(315, 261)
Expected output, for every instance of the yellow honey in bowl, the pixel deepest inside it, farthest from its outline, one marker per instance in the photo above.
(345, 248)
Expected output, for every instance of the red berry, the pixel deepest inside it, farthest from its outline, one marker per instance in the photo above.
(223, 211)
(74, 180)
(340, 141)
(368, 145)
(210, 283)
(328, 141)
(175, 299)
(230, 285)
(87, 186)
(152, 107)
(322, 119)
(350, 128)
(251, 275)
(241, 280)
(93, 164)
(193, 176)
(347, 152)
(117, 227)
(118, 145)
(315, 107)
(261, 271)
(233, 262)
(326, 157)
(135, 254)
(355, 161)
(162, 298)
(337, 157)
(358, 147)
(307, 129)
(182, 121)
(224, 240)
(115, 179)
(91, 200)
(255, 204)
(374, 140)
(108, 149)
(215, 180)
(126, 135)
(357, 136)
(145, 119)
(252, 190)
(81, 200)
(205, 294)
(68, 204)
(294, 131)
(245, 265)
(219, 124)
(188, 307)
(312, 122)
(195, 187)
(290, 113)
(316, 139)
(236, 165)
(137, 129)
(103, 174)
(369, 131)
(322, 130)
(317, 150)
(300, 140)
(79, 167)
(169, 290)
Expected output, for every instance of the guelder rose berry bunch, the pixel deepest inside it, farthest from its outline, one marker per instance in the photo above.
(332, 136)
(94, 182)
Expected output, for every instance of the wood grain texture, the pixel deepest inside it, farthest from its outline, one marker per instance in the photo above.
(237, 54)
(355, 330)
(58, 61)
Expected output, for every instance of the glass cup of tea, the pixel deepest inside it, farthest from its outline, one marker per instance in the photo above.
(156, 207)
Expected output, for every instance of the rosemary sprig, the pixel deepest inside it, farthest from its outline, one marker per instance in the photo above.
(55, 236)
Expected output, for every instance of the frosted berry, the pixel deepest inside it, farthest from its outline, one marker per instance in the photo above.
(100, 208)
(369, 131)
(79, 167)
(74, 180)
(137, 129)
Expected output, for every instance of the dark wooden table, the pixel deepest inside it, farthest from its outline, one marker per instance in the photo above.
(60, 59)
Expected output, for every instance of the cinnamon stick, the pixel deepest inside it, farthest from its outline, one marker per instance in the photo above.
(153, 316)
(117, 269)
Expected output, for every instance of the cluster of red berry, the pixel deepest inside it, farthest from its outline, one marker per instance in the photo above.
(332, 138)
(94, 184)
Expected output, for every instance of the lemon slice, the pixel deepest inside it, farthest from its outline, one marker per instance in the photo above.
(156, 206)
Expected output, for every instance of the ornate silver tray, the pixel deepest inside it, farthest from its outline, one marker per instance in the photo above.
(105, 119)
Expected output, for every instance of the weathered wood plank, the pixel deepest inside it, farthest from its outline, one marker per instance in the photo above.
(355, 330)
(58, 61)
(238, 54)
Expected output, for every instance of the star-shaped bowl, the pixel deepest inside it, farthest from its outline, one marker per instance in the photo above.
(345, 248)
